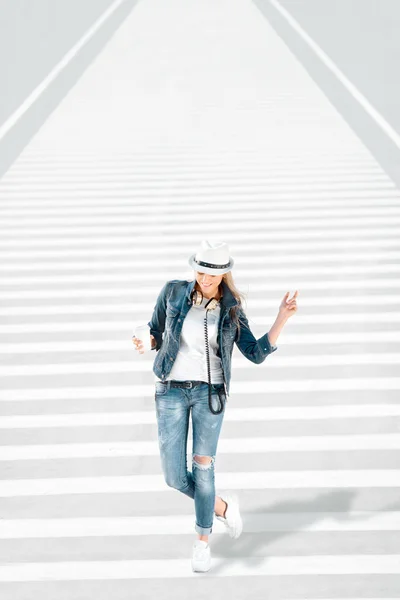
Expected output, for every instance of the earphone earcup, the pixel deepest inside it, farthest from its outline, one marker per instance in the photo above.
(197, 297)
(211, 304)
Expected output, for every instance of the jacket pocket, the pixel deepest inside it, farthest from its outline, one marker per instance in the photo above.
(172, 311)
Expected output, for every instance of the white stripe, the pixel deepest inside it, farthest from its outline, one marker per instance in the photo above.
(352, 564)
(329, 63)
(135, 308)
(193, 161)
(191, 157)
(244, 263)
(279, 236)
(186, 153)
(255, 480)
(115, 326)
(156, 188)
(326, 443)
(64, 177)
(104, 292)
(197, 159)
(252, 247)
(183, 524)
(38, 91)
(225, 196)
(328, 318)
(105, 345)
(83, 346)
(234, 225)
(144, 366)
(307, 174)
(237, 387)
(190, 179)
(274, 217)
(64, 208)
(275, 413)
(296, 271)
(248, 248)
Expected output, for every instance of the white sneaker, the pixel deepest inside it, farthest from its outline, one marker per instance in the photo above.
(232, 520)
(201, 557)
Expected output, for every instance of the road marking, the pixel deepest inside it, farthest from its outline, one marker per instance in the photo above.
(144, 366)
(181, 197)
(287, 273)
(231, 446)
(301, 254)
(252, 225)
(59, 176)
(303, 216)
(38, 91)
(331, 65)
(210, 186)
(281, 413)
(143, 307)
(238, 387)
(183, 524)
(269, 261)
(113, 291)
(181, 158)
(243, 566)
(111, 345)
(255, 480)
(351, 206)
(279, 236)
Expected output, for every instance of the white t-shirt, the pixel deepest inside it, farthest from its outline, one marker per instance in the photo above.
(191, 360)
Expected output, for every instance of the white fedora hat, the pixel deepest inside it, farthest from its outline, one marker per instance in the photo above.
(212, 258)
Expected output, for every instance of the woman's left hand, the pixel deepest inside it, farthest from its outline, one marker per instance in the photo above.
(287, 307)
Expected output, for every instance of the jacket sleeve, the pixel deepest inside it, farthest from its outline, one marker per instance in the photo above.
(157, 321)
(254, 349)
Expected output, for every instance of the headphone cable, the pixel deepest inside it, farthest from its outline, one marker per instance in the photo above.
(220, 400)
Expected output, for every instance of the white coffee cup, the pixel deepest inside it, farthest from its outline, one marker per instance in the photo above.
(142, 333)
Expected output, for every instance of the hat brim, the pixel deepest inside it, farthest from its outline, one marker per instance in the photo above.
(210, 270)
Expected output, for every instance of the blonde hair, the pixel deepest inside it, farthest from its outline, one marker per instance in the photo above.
(240, 297)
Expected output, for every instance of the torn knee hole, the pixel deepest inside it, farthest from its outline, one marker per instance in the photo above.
(203, 462)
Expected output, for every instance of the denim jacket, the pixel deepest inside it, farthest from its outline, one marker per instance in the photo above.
(172, 306)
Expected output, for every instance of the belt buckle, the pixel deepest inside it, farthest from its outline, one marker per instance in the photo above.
(189, 384)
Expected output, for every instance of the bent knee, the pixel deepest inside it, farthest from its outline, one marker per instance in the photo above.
(175, 483)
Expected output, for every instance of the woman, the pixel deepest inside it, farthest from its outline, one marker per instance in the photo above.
(177, 331)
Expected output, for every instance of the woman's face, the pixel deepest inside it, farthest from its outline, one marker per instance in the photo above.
(208, 284)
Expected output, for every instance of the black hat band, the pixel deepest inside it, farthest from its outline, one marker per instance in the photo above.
(210, 265)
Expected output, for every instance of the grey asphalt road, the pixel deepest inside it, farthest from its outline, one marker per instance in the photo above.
(34, 37)
(362, 38)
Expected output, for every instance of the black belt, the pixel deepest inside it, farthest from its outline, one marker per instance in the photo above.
(186, 384)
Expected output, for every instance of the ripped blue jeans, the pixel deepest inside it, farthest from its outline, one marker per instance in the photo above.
(173, 406)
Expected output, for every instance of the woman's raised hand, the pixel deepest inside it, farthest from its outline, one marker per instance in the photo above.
(287, 307)
(139, 344)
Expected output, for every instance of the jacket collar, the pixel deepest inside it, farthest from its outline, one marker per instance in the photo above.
(227, 299)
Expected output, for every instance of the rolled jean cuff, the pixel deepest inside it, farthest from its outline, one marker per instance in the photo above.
(203, 530)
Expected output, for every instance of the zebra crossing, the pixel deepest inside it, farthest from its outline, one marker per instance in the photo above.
(91, 228)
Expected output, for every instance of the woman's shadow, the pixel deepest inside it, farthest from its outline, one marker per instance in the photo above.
(249, 547)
